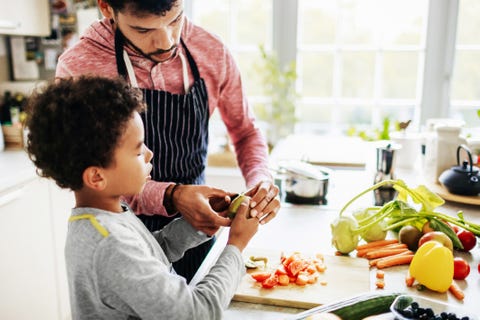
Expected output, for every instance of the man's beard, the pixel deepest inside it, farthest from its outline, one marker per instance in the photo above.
(151, 55)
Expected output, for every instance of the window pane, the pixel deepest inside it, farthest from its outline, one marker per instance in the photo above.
(358, 74)
(399, 75)
(401, 22)
(466, 81)
(318, 21)
(355, 114)
(238, 23)
(214, 16)
(316, 74)
(375, 50)
(468, 22)
(249, 63)
(312, 112)
(469, 115)
(398, 113)
(357, 22)
(253, 21)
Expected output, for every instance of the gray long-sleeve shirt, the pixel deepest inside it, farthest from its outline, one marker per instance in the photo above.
(127, 274)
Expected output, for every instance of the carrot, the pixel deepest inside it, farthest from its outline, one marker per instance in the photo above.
(363, 252)
(394, 261)
(377, 243)
(456, 291)
(409, 280)
(380, 284)
(373, 262)
(380, 274)
(380, 253)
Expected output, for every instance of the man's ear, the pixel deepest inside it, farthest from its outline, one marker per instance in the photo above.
(106, 9)
(94, 178)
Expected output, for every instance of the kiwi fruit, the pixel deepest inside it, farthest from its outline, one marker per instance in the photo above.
(410, 235)
(235, 204)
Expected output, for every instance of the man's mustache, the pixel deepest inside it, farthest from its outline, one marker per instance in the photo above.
(160, 51)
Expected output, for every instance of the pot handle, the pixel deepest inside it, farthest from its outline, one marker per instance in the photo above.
(464, 147)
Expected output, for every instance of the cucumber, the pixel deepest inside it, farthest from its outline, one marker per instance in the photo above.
(355, 308)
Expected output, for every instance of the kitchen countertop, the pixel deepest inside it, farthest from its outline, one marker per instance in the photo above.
(15, 168)
(306, 228)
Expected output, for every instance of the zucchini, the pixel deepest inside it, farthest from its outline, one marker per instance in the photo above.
(355, 308)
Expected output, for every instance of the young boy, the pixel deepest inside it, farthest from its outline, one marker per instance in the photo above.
(88, 136)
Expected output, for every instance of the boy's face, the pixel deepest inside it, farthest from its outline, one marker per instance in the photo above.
(131, 167)
(155, 36)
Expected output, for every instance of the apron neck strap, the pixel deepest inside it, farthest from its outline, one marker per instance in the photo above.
(193, 65)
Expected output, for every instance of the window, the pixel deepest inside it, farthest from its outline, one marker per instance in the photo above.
(359, 61)
(465, 92)
(242, 26)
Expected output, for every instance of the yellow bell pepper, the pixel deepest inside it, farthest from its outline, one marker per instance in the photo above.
(432, 266)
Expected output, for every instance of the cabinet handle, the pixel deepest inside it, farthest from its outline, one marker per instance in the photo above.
(11, 196)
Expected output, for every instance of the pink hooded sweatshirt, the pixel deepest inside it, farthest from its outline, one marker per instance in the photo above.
(94, 54)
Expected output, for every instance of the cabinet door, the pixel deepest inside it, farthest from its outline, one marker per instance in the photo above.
(25, 17)
(28, 287)
(62, 202)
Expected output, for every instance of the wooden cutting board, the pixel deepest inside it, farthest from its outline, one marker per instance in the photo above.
(345, 277)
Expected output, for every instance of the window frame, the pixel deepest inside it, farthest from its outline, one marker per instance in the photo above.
(438, 63)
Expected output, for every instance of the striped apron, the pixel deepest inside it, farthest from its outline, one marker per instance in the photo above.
(176, 130)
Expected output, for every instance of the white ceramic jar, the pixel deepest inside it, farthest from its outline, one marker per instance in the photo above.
(441, 150)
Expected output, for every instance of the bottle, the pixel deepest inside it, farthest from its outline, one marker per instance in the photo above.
(5, 116)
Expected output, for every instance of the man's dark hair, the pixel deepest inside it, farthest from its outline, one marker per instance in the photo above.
(157, 7)
(77, 123)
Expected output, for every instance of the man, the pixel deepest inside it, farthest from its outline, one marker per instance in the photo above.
(184, 73)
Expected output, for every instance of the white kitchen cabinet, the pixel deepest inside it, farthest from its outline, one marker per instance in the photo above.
(61, 203)
(25, 17)
(28, 283)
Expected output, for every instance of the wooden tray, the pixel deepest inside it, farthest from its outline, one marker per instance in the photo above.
(445, 195)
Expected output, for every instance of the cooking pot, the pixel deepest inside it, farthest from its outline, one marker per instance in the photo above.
(462, 179)
(304, 183)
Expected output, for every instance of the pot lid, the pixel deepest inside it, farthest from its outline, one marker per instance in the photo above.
(305, 169)
(465, 168)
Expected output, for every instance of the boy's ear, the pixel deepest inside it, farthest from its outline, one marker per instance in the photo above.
(94, 178)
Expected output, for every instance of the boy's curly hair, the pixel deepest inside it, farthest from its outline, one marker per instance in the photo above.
(77, 123)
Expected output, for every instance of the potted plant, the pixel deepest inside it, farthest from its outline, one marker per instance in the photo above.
(279, 85)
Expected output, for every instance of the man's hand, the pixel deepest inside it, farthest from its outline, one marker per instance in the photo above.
(264, 202)
(203, 206)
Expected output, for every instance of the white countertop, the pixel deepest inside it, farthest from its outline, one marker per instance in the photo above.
(306, 228)
(15, 168)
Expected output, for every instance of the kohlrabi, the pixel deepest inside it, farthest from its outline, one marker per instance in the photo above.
(373, 223)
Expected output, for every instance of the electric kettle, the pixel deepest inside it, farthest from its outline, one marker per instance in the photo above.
(462, 179)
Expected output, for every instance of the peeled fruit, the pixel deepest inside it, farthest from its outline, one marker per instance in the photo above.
(436, 236)
(235, 204)
(410, 236)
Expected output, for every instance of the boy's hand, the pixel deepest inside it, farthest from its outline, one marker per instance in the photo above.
(243, 227)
